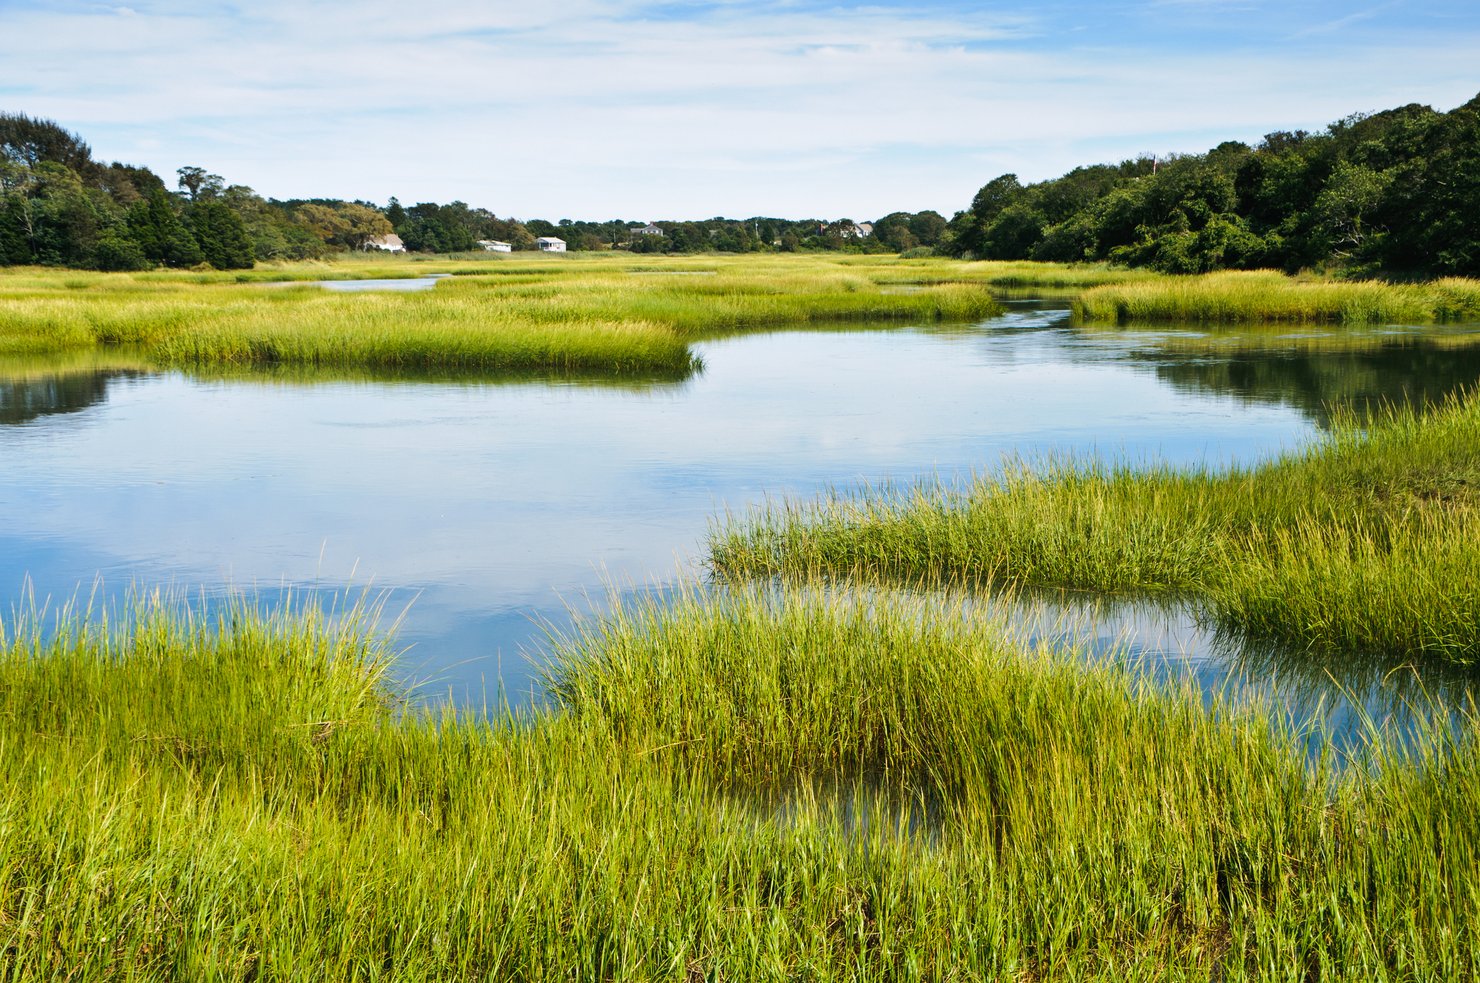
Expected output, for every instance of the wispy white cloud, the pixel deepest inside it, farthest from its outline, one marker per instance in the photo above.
(1339, 24)
(624, 107)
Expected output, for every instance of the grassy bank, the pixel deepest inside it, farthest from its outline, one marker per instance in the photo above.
(1266, 296)
(1369, 539)
(617, 312)
(732, 788)
(607, 313)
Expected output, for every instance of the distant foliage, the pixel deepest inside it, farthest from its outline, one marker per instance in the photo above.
(750, 235)
(1394, 192)
(59, 207)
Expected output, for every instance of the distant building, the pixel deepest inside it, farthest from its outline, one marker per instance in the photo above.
(390, 243)
(859, 230)
(646, 230)
(494, 246)
(550, 244)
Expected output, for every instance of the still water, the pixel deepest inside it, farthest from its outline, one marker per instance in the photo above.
(493, 506)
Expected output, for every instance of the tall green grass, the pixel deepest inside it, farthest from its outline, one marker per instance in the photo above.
(1365, 540)
(581, 315)
(732, 787)
(1023, 274)
(1266, 296)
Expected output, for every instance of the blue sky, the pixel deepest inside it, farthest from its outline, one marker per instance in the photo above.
(595, 109)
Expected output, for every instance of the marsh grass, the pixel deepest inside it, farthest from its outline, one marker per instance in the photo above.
(602, 313)
(736, 786)
(1367, 539)
(1266, 296)
(1060, 275)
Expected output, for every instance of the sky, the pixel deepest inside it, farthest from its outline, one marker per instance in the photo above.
(601, 109)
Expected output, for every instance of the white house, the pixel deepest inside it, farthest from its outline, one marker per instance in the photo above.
(858, 230)
(494, 246)
(645, 230)
(550, 244)
(388, 243)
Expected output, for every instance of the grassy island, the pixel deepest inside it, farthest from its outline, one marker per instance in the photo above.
(1368, 540)
(602, 313)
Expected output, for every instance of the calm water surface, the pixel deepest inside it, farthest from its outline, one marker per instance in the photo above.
(496, 505)
(395, 285)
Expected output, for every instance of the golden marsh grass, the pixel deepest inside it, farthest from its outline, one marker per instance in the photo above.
(1266, 296)
(578, 314)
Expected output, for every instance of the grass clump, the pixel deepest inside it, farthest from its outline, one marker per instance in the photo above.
(1366, 540)
(737, 786)
(1023, 274)
(1265, 296)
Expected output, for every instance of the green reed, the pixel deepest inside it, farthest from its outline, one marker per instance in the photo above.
(1266, 296)
(734, 786)
(601, 313)
(1366, 539)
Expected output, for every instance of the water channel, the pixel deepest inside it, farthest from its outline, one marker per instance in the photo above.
(492, 507)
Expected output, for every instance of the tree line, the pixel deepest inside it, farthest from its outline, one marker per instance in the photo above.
(61, 207)
(1395, 192)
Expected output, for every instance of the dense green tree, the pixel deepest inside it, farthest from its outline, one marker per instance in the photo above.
(1397, 190)
(63, 219)
(159, 233)
(928, 227)
(116, 250)
(1073, 240)
(127, 184)
(687, 237)
(648, 245)
(395, 213)
(995, 197)
(451, 228)
(17, 212)
(345, 225)
(899, 231)
(197, 184)
(1341, 212)
(323, 221)
(1434, 212)
(893, 230)
(14, 249)
(221, 235)
(363, 223)
(31, 141)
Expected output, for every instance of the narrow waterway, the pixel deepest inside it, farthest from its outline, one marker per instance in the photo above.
(493, 507)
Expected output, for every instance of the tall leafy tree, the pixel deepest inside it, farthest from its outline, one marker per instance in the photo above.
(160, 234)
(221, 235)
(197, 184)
(31, 141)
